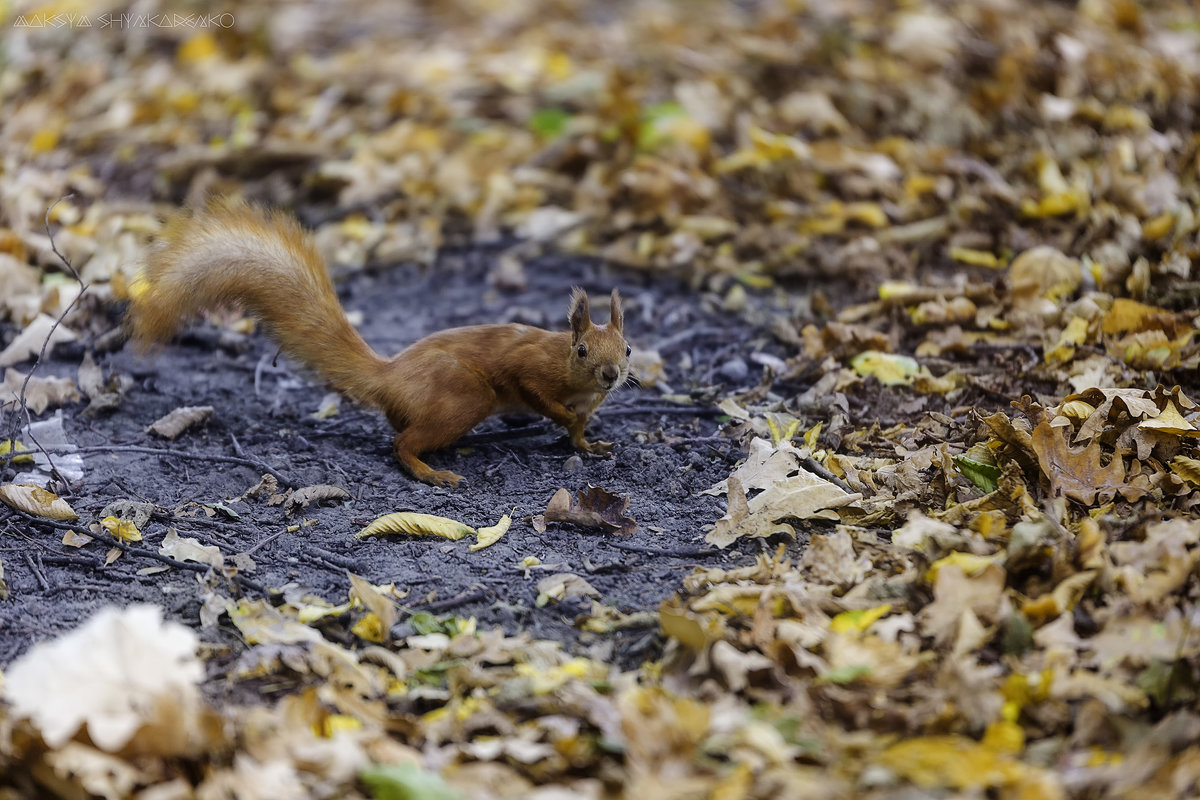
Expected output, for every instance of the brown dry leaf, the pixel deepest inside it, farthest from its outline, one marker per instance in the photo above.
(593, 508)
(302, 498)
(36, 501)
(1077, 473)
(378, 605)
(179, 420)
(738, 521)
(28, 343)
(41, 393)
(562, 585)
(185, 548)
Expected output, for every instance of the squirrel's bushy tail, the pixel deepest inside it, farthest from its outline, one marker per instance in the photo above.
(234, 254)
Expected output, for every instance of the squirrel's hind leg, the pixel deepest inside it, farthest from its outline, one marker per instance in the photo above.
(441, 426)
(411, 461)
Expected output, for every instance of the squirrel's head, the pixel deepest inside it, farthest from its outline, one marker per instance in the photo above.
(599, 353)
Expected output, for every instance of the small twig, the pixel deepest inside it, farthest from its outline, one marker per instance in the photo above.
(811, 464)
(334, 558)
(679, 552)
(23, 405)
(480, 593)
(267, 541)
(37, 572)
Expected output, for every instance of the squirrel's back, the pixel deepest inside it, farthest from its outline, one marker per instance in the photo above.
(234, 254)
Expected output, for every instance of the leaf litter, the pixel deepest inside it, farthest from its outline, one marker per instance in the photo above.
(964, 236)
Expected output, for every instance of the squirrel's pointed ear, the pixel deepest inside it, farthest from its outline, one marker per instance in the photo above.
(616, 320)
(580, 315)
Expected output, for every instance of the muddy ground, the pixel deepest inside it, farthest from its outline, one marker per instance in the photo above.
(665, 454)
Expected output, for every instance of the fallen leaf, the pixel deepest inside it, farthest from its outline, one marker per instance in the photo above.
(302, 498)
(185, 548)
(1077, 473)
(36, 501)
(122, 669)
(593, 508)
(562, 585)
(179, 420)
(490, 535)
(416, 524)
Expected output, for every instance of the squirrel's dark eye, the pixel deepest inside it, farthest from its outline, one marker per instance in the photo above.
(628, 351)
(582, 351)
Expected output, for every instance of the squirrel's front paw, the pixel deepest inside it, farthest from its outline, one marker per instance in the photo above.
(598, 448)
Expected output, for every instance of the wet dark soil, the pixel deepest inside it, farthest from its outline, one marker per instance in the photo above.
(665, 454)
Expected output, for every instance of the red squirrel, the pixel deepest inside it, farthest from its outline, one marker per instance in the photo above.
(432, 392)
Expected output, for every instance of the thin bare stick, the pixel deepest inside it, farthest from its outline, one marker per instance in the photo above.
(23, 406)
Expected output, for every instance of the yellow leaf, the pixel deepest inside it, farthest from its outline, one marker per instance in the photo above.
(1158, 227)
(976, 258)
(782, 427)
(969, 563)
(38, 502)
(123, 529)
(858, 620)
(370, 628)
(200, 47)
(417, 525)
(491, 534)
(1004, 736)
(1077, 409)
(1170, 420)
(1130, 315)
(44, 140)
(311, 612)
(951, 761)
(889, 369)
(1187, 468)
(15, 445)
(339, 723)
(1075, 334)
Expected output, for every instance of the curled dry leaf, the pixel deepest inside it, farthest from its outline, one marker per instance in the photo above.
(1187, 468)
(40, 393)
(381, 611)
(417, 524)
(185, 548)
(491, 534)
(562, 585)
(123, 529)
(36, 501)
(593, 508)
(179, 420)
(310, 494)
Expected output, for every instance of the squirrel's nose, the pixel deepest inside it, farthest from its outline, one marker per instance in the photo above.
(609, 373)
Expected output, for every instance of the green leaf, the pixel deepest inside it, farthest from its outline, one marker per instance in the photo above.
(549, 123)
(979, 467)
(847, 674)
(406, 782)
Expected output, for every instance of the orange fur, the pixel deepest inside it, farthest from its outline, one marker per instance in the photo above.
(432, 392)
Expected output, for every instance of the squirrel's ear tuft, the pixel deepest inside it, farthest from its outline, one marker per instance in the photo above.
(616, 320)
(579, 315)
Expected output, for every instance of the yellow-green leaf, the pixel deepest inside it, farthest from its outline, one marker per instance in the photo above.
(492, 533)
(418, 525)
